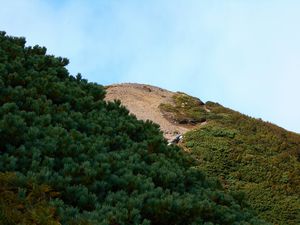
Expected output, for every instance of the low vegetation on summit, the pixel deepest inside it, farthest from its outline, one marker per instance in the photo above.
(184, 109)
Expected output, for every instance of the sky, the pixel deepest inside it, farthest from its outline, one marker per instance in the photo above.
(244, 54)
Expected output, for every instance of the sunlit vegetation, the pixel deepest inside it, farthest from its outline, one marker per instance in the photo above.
(67, 156)
(23, 202)
(253, 156)
(184, 109)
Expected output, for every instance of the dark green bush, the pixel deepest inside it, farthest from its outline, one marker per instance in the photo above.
(109, 168)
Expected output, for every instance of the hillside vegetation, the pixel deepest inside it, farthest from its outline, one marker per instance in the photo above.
(68, 157)
(184, 109)
(252, 156)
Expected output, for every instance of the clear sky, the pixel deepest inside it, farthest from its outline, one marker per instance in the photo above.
(244, 54)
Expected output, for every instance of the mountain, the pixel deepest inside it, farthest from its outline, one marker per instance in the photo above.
(67, 156)
(247, 155)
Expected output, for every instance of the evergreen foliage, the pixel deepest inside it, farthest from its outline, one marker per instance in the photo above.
(57, 133)
(253, 156)
(23, 202)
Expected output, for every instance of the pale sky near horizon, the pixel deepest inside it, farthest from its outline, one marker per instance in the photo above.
(243, 54)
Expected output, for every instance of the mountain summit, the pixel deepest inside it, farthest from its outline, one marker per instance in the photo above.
(175, 112)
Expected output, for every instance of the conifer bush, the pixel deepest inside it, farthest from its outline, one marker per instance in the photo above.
(106, 166)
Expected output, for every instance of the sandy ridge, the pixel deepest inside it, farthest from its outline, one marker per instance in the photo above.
(143, 101)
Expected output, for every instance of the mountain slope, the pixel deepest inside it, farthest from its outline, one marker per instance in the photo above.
(256, 157)
(69, 157)
(246, 154)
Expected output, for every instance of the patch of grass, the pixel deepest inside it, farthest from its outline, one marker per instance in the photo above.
(185, 109)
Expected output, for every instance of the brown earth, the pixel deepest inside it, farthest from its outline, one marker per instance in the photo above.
(143, 101)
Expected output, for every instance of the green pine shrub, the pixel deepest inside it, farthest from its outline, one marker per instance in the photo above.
(24, 202)
(56, 131)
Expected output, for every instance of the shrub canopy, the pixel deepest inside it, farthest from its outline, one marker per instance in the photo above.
(106, 167)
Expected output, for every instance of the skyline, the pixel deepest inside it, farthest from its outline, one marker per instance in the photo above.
(244, 55)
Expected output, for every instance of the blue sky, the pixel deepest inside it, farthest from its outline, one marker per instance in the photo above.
(242, 54)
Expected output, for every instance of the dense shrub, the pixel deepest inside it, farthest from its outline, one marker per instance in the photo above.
(108, 167)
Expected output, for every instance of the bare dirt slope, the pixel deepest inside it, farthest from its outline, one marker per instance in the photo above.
(143, 101)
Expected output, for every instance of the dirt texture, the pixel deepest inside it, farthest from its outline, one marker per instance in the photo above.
(143, 101)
